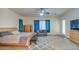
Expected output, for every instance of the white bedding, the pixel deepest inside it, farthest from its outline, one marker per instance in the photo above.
(15, 38)
(25, 34)
(9, 39)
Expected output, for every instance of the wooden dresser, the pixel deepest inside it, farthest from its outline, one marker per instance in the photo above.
(74, 36)
(27, 28)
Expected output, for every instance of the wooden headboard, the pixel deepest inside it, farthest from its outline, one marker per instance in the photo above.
(8, 29)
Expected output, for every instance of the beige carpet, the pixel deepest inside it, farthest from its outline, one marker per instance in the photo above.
(54, 42)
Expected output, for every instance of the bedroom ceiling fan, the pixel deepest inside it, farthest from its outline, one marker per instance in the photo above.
(42, 12)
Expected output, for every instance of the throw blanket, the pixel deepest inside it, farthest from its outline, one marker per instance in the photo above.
(5, 34)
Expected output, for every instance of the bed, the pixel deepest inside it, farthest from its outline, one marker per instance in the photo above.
(17, 39)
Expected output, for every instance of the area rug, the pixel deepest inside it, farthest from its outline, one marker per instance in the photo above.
(43, 43)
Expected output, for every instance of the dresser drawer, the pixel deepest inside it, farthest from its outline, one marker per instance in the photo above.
(74, 36)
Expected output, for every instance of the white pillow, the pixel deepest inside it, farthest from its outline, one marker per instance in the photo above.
(15, 32)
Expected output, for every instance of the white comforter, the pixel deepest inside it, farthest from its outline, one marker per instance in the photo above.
(15, 38)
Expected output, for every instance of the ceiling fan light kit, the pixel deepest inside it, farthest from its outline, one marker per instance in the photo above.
(41, 14)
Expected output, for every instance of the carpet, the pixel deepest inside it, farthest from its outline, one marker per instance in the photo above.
(43, 43)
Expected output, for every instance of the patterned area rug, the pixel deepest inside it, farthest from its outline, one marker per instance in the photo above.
(43, 43)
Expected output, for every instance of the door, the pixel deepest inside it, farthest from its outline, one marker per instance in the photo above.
(63, 27)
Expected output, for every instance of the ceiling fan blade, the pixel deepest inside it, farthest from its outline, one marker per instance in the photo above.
(35, 13)
(46, 13)
(41, 11)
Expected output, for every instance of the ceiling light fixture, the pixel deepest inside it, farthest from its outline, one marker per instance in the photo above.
(41, 14)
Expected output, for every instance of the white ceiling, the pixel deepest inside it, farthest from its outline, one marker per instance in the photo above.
(31, 12)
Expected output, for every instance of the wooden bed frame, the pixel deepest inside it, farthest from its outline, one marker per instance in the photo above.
(15, 44)
(8, 29)
(18, 44)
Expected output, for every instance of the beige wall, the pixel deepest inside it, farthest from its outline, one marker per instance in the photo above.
(71, 15)
(54, 23)
(8, 18)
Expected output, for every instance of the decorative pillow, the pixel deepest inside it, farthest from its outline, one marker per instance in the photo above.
(15, 32)
(5, 34)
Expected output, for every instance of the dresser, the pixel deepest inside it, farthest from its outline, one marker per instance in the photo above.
(74, 36)
(27, 28)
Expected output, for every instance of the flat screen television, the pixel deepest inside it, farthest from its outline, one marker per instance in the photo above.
(74, 24)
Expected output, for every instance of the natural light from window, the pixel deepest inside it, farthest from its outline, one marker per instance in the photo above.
(63, 27)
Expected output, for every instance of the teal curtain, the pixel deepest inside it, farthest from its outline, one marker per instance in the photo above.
(20, 25)
(36, 25)
(47, 25)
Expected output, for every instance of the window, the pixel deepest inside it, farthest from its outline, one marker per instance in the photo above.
(42, 25)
